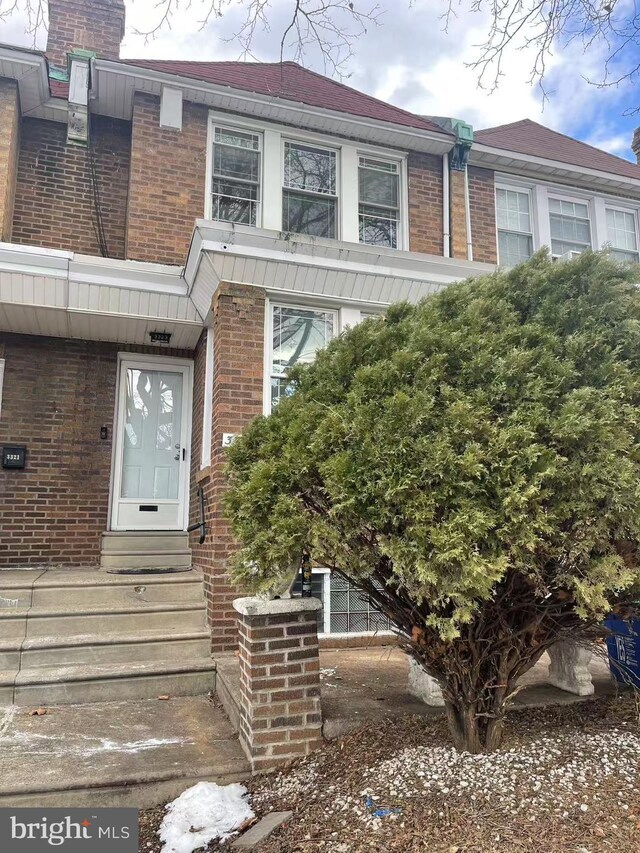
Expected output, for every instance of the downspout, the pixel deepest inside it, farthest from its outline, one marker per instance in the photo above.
(446, 208)
(467, 214)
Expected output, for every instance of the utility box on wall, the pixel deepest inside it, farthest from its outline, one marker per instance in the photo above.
(14, 456)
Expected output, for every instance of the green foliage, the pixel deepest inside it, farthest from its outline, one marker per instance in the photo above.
(493, 427)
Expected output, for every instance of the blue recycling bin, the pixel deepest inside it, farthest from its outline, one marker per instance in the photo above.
(624, 650)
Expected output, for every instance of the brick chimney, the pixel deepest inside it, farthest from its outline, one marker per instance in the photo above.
(635, 144)
(96, 25)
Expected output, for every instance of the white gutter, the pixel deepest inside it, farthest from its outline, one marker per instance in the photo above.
(467, 215)
(446, 203)
(413, 138)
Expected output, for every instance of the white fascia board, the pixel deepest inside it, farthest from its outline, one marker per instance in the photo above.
(499, 159)
(159, 278)
(333, 254)
(34, 260)
(271, 108)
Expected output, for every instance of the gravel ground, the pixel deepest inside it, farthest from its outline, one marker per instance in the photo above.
(565, 782)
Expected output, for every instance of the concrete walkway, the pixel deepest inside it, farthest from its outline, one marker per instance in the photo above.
(365, 685)
(132, 753)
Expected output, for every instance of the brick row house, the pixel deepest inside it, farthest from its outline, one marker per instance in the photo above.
(175, 235)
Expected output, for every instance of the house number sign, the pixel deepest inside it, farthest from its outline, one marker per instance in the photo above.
(14, 456)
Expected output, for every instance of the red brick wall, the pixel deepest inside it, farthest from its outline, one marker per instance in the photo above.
(57, 394)
(9, 145)
(55, 205)
(238, 391)
(482, 203)
(425, 203)
(96, 25)
(167, 185)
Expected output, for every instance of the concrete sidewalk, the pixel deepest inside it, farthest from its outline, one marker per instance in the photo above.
(133, 753)
(361, 686)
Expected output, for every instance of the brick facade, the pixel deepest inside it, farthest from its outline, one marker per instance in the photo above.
(9, 146)
(425, 203)
(57, 394)
(457, 216)
(57, 198)
(95, 25)
(280, 714)
(167, 185)
(237, 398)
(482, 204)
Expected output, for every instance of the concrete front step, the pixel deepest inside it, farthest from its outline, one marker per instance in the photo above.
(130, 753)
(100, 648)
(75, 588)
(73, 685)
(123, 619)
(143, 550)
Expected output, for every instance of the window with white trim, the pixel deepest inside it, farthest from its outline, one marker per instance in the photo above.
(379, 202)
(515, 233)
(570, 226)
(622, 234)
(235, 189)
(296, 336)
(310, 196)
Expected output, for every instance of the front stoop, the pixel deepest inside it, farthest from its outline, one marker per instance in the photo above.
(129, 753)
(72, 636)
(157, 550)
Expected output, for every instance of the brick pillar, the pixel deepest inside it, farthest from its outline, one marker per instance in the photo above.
(280, 714)
(238, 359)
(457, 215)
(9, 145)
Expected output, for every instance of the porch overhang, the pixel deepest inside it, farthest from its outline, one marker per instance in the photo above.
(61, 294)
(293, 267)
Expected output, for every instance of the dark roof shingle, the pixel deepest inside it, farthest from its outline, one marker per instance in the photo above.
(292, 82)
(529, 137)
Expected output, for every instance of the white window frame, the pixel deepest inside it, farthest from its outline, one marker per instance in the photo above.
(402, 229)
(621, 209)
(516, 188)
(268, 336)
(272, 174)
(294, 140)
(573, 199)
(221, 121)
(542, 191)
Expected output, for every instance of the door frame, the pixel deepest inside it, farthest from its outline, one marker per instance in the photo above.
(151, 362)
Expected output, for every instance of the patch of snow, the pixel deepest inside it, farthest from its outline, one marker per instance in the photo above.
(204, 813)
(7, 718)
(52, 744)
(328, 672)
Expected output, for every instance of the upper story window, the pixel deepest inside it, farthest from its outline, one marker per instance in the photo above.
(515, 233)
(570, 226)
(309, 198)
(622, 234)
(379, 202)
(236, 176)
(300, 182)
(296, 336)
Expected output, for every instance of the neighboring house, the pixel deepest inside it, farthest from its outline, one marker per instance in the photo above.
(177, 234)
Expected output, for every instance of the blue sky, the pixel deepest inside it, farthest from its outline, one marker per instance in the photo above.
(409, 60)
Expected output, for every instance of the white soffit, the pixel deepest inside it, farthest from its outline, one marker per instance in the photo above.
(541, 168)
(319, 269)
(47, 292)
(115, 84)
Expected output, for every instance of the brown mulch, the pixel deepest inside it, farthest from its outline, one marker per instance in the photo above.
(432, 823)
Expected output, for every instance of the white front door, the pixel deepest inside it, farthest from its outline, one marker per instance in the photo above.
(151, 460)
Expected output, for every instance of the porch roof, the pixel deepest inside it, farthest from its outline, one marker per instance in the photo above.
(61, 294)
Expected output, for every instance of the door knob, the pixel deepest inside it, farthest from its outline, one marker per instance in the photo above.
(177, 457)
